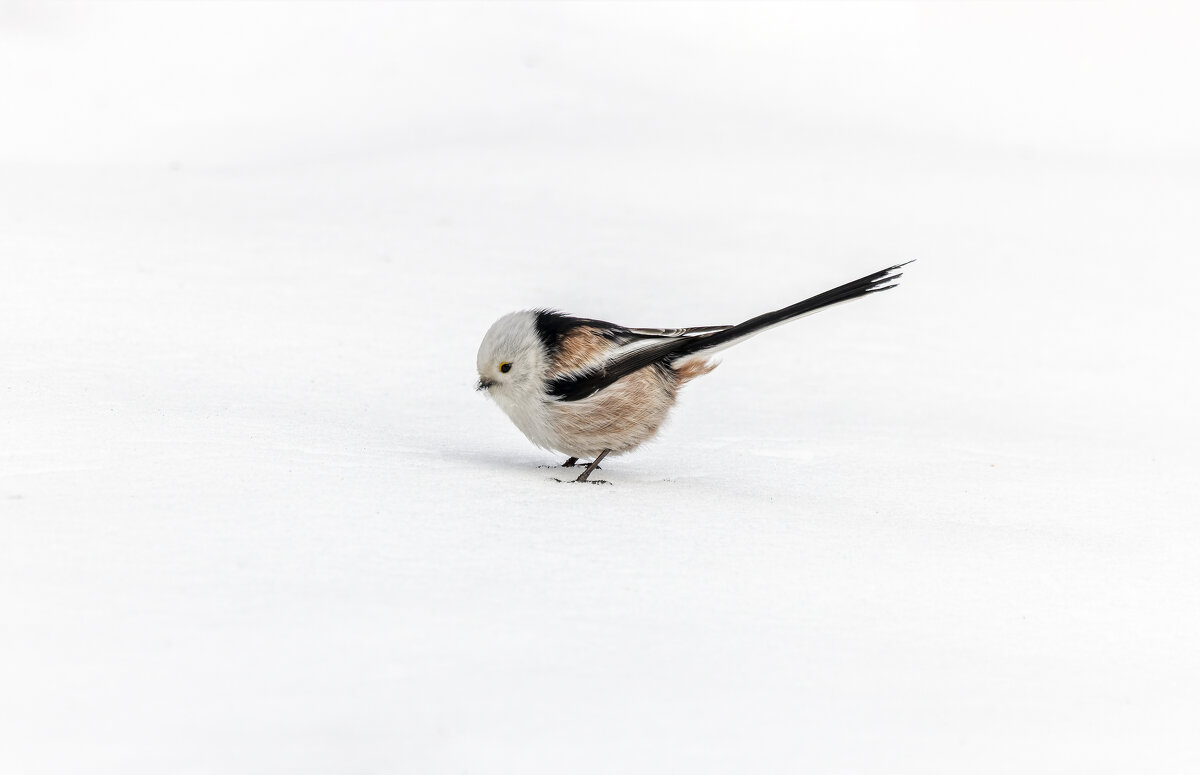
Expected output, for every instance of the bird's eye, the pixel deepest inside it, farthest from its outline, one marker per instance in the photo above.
(504, 367)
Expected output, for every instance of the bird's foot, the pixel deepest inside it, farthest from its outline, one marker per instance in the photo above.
(592, 466)
(571, 463)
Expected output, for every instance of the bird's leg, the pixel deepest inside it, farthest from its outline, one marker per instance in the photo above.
(592, 466)
(571, 463)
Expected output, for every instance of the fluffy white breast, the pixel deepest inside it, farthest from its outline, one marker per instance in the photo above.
(520, 391)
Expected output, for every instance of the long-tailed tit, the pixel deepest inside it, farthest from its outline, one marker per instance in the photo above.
(587, 388)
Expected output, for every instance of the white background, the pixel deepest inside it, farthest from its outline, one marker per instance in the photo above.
(253, 518)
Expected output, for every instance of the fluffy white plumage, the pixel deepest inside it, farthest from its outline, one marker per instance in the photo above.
(588, 388)
(520, 391)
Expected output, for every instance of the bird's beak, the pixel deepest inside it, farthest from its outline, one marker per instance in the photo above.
(484, 383)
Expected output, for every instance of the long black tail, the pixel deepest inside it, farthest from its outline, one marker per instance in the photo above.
(577, 386)
(872, 283)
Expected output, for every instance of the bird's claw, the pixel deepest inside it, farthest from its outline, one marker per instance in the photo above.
(572, 463)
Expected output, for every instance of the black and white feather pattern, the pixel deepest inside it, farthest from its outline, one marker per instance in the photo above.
(647, 346)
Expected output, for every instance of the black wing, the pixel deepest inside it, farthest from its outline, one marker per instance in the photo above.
(552, 326)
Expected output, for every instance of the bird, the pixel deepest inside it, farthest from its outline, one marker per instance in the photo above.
(588, 388)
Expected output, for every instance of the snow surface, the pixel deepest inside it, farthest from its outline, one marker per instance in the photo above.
(253, 518)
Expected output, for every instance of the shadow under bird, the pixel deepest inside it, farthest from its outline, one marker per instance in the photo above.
(587, 388)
